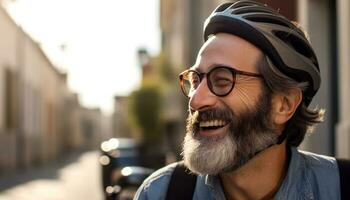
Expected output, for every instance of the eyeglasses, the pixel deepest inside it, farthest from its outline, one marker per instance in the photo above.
(221, 80)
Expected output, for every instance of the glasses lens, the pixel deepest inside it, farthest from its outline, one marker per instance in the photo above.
(189, 82)
(221, 81)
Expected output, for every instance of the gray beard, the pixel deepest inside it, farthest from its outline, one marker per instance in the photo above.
(246, 136)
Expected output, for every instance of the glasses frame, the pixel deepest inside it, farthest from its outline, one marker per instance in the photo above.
(233, 71)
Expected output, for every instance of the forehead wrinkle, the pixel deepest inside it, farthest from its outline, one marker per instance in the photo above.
(230, 49)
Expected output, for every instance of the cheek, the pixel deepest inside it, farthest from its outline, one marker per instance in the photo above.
(244, 97)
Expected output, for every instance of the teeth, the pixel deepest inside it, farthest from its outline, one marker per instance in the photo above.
(212, 123)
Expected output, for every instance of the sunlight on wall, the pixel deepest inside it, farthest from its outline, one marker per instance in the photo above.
(94, 41)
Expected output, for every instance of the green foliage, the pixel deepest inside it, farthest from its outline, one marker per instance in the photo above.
(165, 69)
(145, 107)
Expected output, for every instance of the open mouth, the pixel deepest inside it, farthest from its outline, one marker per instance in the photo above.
(212, 124)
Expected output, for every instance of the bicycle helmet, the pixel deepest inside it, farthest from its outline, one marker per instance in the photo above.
(282, 41)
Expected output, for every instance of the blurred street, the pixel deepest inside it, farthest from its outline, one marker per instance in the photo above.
(76, 177)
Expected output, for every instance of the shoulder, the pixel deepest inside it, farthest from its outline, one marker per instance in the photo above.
(160, 176)
(323, 174)
(318, 162)
(156, 185)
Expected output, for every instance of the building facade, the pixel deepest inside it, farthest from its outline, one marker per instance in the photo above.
(40, 117)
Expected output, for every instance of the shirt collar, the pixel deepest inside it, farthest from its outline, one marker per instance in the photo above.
(211, 180)
(214, 183)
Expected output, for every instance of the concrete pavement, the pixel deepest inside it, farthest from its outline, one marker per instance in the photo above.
(77, 179)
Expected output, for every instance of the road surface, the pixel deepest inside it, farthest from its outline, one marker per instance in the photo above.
(76, 178)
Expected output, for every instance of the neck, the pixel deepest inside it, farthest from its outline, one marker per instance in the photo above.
(259, 178)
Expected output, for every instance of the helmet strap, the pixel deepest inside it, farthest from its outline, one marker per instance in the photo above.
(284, 134)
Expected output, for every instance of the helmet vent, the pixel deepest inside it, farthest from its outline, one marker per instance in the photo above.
(250, 9)
(240, 4)
(267, 19)
(222, 7)
(297, 44)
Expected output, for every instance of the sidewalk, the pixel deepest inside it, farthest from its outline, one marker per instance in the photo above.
(77, 177)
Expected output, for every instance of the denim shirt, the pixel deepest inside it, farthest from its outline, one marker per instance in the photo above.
(309, 176)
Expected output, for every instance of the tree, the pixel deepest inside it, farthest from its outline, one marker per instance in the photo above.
(145, 107)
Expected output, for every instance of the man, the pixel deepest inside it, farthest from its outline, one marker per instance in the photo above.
(249, 92)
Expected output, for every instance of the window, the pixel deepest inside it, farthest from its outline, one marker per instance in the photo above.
(11, 99)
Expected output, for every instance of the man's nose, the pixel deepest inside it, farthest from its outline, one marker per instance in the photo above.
(202, 98)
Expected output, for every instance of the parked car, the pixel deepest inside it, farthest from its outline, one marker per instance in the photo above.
(123, 168)
(125, 182)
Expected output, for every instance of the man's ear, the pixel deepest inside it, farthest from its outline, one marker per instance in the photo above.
(284, 106)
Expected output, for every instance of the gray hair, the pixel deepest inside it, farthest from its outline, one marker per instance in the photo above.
(304, 119)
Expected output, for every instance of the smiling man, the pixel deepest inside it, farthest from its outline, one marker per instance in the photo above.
(249, 93)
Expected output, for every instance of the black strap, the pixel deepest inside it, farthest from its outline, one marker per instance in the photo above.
(344, 173)
(182, 183)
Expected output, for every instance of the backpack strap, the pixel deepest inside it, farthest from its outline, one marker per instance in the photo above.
(182, 183)
(344, 174)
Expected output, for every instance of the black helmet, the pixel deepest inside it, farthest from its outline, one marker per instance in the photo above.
(282, 41)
